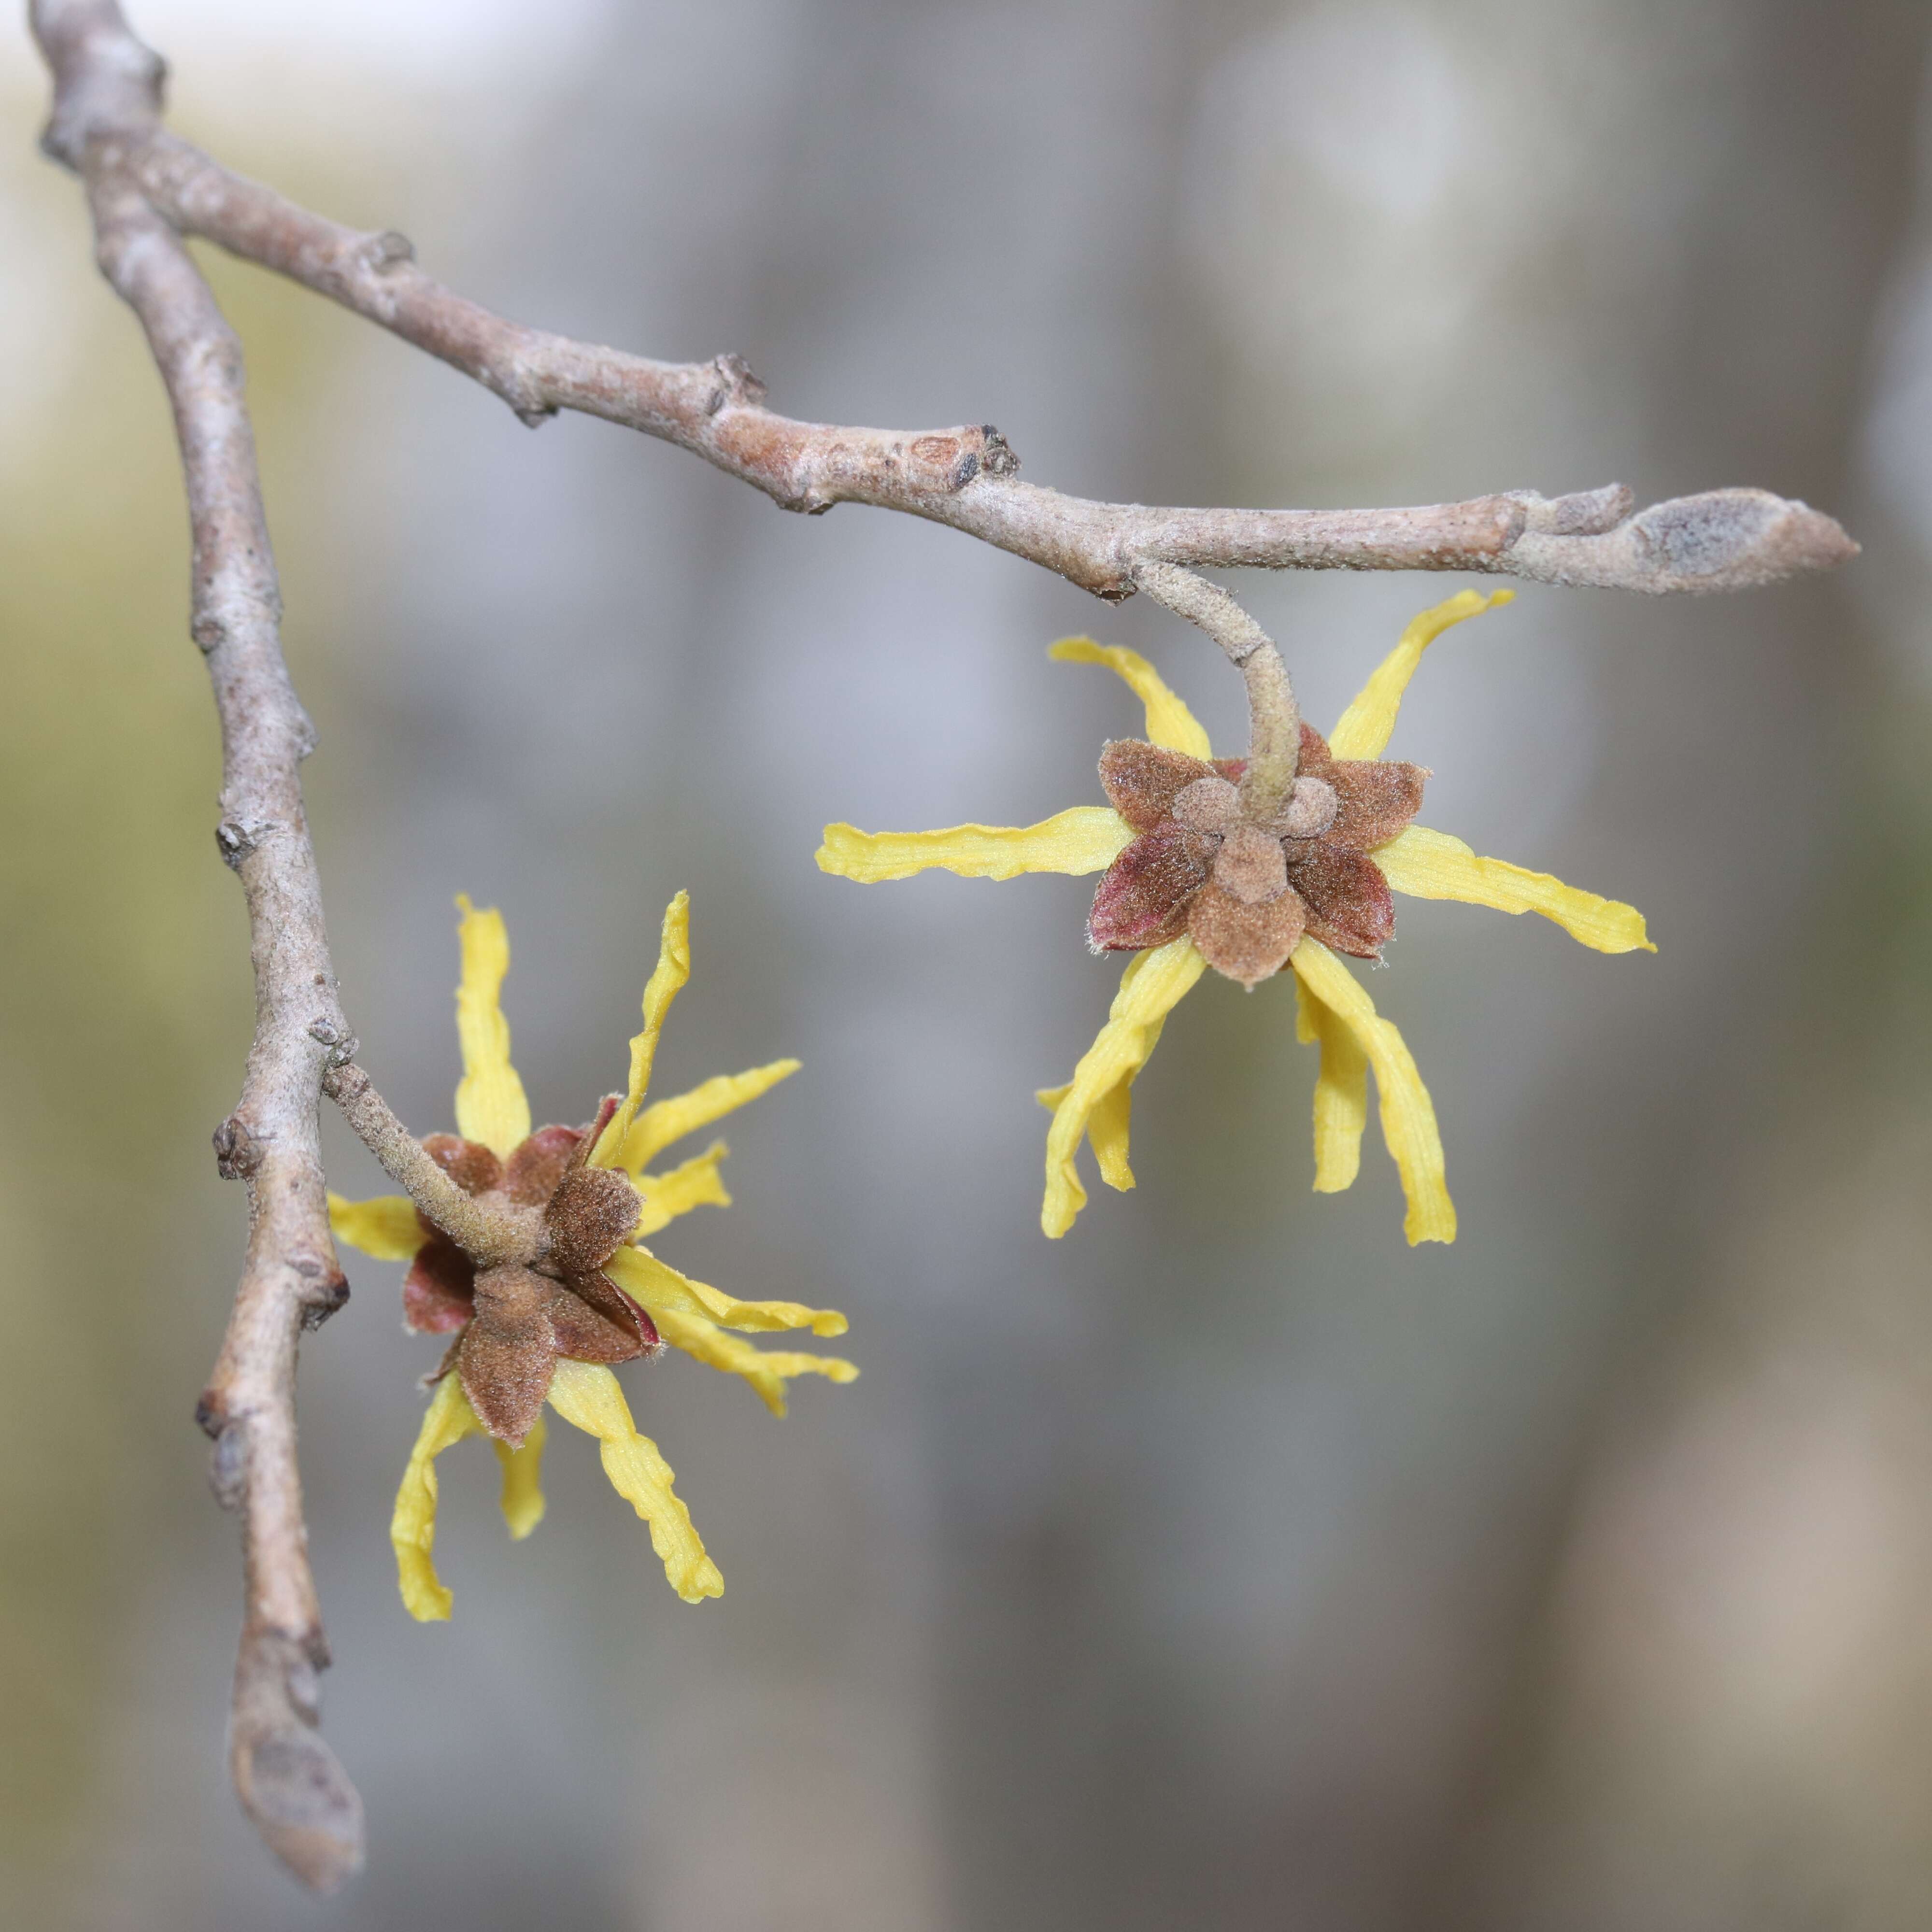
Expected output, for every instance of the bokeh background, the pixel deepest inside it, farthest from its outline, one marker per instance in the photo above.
(1228, 1564)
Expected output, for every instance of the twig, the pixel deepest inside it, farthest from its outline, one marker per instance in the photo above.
(288, 1779)
(967, 477)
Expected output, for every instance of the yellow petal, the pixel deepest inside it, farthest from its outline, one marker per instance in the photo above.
(1107, 1127)
(1408, 1117)
(1341, 1092)
(1169, 722)
(1154, 983)
(448, 1420)
(662, 1290)
(1107, 1130)
(491, 1105)
(1363, 732)
(664, 1121)
(695, 1183)
(766, 1370)
(1430, 865)
(587, 1396)
(667, 980)
(523, 1498)
(386, 1227)
(1085, 838)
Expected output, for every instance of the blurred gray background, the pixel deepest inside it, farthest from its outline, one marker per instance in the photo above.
(1228, 1564)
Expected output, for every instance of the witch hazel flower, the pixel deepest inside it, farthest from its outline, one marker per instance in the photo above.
(1290, 857)
(555, 1286)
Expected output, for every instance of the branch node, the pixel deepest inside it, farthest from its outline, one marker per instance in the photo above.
(384, 251)
(342, 1044)
(329, 1297)
(238, 1151)
(235, 839)
(998, 457)
(228, 1464)
(735, 384)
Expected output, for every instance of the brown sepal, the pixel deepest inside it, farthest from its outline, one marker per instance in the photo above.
(594, 1332)
(1374, 799)
(1247, 943)
(509, 1352)
(468, 1163)
(587, 1146)
(590, 1216)
(439, 1290)
(612, 1303)
(1142, 897)
(1350, 907)
(536, 1165)
(1142, 781)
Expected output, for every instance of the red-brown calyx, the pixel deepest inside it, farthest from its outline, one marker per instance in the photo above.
(1245, 888)
(550, 1297)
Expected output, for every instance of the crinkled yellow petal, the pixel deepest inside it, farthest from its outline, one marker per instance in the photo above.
(667, 978)
(1363, 731)
(1430, 865)
(1107, 1127)
(1154, 983)
(766, 1370)
(664, 1121)
(1169, 722)
(1085, 839)
(587, 1396)
(490, 1104)
(386, 1227)
(662, 1290)
(523, 1498)
(696, 1182)
(1409, 1116)
(448, 1420)
(1341, 1092)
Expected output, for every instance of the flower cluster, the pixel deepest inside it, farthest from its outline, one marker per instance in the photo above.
(564, 1288)
(1201, 869)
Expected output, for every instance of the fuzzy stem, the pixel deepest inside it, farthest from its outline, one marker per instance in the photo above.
(1274, 719)
(487, 1238)
(1274, 736)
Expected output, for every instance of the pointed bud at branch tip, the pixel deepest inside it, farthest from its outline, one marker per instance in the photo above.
(1722, 540)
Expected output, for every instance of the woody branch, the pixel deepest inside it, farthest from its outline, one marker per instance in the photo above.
(966, 477)
(148, 189)
(288, 1779)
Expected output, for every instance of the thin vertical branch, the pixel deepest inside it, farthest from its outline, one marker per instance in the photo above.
(107, 91)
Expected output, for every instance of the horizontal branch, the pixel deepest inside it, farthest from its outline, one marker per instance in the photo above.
(968, 477)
